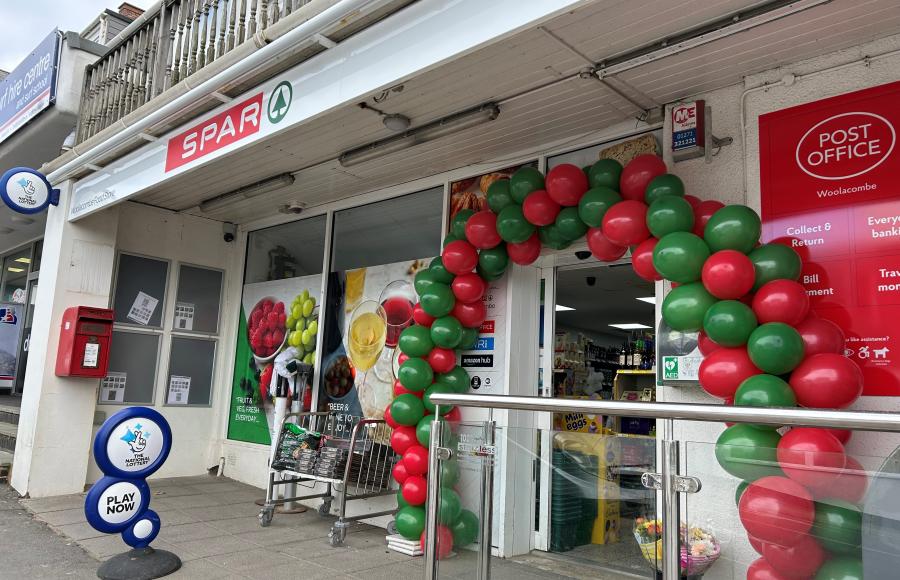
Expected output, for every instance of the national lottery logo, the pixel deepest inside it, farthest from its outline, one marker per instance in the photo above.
(136, 438)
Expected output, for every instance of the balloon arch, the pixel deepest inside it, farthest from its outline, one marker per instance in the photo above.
(761, 345)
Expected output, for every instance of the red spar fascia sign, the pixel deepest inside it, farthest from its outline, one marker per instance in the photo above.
(230, 126)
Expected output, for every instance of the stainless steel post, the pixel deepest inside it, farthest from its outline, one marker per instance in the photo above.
(434, 490)
(671, 522)
(487, 503)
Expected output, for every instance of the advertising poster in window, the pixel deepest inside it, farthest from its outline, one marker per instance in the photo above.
(828, 179)
(279, 323)
(368, 309)
(471, 193)
(11, 322)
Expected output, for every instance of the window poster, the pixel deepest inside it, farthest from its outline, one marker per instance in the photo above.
(279, 323)
(471, 193)
(368, 309)
(828, 179)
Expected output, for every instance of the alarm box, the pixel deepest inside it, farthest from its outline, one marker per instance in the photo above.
(84, 341)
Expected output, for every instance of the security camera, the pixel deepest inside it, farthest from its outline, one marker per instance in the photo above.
(228, 231)
(591, 280)
(293, 208)
(582, 254)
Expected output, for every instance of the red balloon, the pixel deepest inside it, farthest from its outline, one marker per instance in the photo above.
(481, 230)
(781, 301)
(801, 560)
(820, 335)
(827, 381)
(625, 223)
(756, 544)
(399, 389)
(390, 420)
(454, 416)
(444, 542)
(811, 457)
(843, 435)
(762, 570)
(702, 213)
(402, 438)
(849, 485)
(527, 252)
(602, 248)
(459, 257)
(540, 209)
(566, 184)
(416, 458)
(468, 287)
(638, 173)
(399, 472)
(414, 490)
(442, 360)
(728, 274)
(421, 317)
(694, 201)
(723, 371)
(707, 346)
(642, 260)
(402, 359)
(776, 509)
(470, 315)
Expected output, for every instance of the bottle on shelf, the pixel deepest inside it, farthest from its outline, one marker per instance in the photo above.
(623, 354)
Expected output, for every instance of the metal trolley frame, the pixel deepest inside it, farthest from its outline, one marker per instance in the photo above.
(372, 478)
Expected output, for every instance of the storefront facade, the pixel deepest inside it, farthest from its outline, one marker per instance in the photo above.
(186, 260)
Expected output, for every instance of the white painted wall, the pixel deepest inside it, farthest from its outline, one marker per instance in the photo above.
(723, 179)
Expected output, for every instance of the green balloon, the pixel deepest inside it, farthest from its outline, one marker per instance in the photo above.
(498, 196)
(449, 472)
(843, 568)
(594, 203)
(512, 225)
(838, 527)
(685, 306)
(551, 237)
(423, 281)
(748, 453)
(437, 388)
(493, 261)
(605, 173)
(410, 522)
(458, 224)
(465, 529)
(415, 341)
(775, 262)
(407, 409)
(457, 379)
(469, 339)
(775, 348)
(729, 323)
(670, 214)
(446, 332)
(741, 488)
(523, 182)
(764, 391)
(449, 507)
(423, 429)
(438, 300)
(488, 276)
(662, 186)
(401, 503)
(449, 238)
(680, 256)
(734, 227)
(439, 272)
(570, 225)
(415, 374)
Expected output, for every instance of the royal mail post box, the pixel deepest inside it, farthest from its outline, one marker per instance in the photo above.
(84, 341)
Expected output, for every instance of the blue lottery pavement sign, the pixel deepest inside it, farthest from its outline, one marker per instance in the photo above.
(129, 447)
(27, 191)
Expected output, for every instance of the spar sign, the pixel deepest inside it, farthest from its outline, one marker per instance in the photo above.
(828, 178)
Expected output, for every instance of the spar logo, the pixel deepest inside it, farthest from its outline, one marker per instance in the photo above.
(846, 145)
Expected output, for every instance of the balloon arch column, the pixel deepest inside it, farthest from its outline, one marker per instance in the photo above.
(761, 345)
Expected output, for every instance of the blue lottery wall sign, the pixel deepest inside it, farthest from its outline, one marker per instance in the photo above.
(129, 447)
(27, 191)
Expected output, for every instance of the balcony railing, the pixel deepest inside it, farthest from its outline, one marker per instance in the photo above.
(167, 45)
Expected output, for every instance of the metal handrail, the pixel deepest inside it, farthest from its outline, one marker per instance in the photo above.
(779, 416)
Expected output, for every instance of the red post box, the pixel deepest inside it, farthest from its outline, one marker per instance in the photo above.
(84, 342)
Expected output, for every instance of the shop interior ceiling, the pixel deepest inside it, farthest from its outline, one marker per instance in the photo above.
(508, 72)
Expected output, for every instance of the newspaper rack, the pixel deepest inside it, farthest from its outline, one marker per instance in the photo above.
(354, 462)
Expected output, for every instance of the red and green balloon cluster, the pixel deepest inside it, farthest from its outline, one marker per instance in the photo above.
(761, 344)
